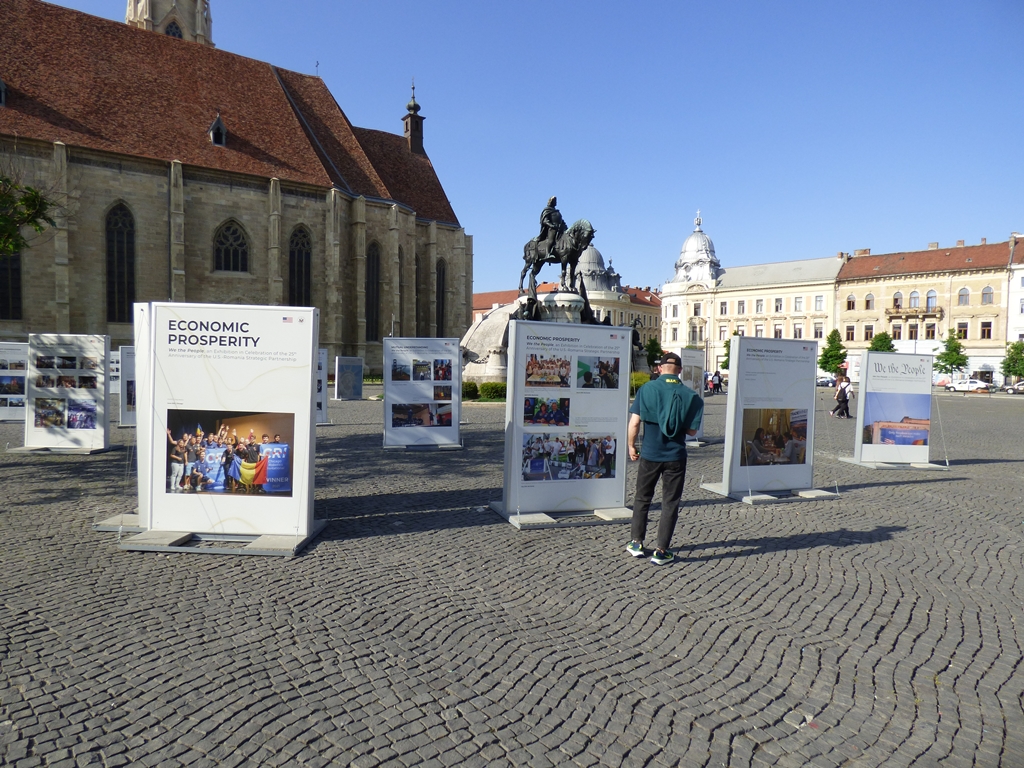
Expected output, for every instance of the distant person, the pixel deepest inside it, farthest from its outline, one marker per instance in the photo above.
(844, 390)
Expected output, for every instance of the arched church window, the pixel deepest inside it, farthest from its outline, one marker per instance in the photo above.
(173, 30)
(300, 263)
(440, 289)
(372, 289)
(231, 248)
(120, 264)
(10, 287)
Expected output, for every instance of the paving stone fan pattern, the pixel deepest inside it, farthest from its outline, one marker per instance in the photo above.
(879, 629)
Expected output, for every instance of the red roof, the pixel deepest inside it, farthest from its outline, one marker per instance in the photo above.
(960, 258)
(99, 84)
(643, 296)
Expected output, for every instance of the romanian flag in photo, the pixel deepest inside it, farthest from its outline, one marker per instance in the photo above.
(249, 473)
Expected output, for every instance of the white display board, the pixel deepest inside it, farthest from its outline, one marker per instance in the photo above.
(321, 387)
(348, 378)
(143, 331)
(67, 392)
(692, 375)
(13, 371)
(565, 418)
(128, 390)
(771, 394)
(894, 408)
(114, 373)
(231, 376)
(422, 392)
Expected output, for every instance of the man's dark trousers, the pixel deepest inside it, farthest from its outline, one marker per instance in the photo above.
(672, 474)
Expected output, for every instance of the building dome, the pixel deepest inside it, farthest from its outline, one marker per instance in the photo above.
(596, 276)
(697, 261)
(591, 260)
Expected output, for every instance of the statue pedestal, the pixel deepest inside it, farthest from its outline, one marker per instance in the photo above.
(561, 307)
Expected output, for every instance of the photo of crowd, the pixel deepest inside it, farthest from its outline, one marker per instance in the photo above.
(442, 370)
(50, 412)
(400, 371)
(12, 385)
(544, 371)
(568, 456)
(81, 414)
(229, 452)
(774, 436)
(443, 393)
(542, 410)
(597, 372)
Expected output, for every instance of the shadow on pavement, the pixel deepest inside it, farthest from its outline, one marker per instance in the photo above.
(840, 538)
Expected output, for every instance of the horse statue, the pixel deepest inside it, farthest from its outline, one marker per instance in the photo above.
(568, 247)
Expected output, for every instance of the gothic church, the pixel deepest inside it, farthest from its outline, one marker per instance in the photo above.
(210, 177)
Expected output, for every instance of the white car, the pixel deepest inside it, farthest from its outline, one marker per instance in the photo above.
(967, 385)
(1015, 389)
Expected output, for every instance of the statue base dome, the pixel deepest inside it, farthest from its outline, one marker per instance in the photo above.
(560, 307)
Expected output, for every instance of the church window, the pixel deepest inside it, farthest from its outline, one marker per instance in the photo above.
(372, 292)
(120, 264)
(440, 292)
(963, 298)
(173, 30)
(230, 248)
(300, 262)
(10, 287)
(987, 295)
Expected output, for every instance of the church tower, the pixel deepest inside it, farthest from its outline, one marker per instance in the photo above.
(184, 19)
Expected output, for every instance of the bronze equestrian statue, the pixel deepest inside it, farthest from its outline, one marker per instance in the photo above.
(556, 244)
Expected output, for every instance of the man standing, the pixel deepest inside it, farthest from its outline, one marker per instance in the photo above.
(669, 411)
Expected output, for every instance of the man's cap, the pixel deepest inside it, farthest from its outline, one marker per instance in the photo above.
(670, 358)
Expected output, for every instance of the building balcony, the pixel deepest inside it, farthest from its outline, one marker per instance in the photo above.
(914, 313)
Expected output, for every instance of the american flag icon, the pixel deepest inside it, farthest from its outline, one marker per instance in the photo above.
(286, 319)
(614, 335)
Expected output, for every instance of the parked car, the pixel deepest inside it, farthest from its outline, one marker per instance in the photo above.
(967, 385)
(1015, 389)
(826, 381)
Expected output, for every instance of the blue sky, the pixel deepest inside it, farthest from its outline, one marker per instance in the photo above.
(798, 128)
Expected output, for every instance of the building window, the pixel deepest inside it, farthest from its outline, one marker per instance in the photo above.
(675, 310)
(693, 335)
(723, 307)
(987, 295)
(759, 330)
(1022, 306)
(929, 331)
(741, 331)
(778, 305)
(986, 330)
(10, 287)
(851, 330)
(675, 334)
(173, 30)
(230, 248)
(912, 332)
(961, 330)
(798, 331)
(798, 304)
(897, 332)
(696, 310)
(300, 262)
(897, 300)
(759, 307)
(723, 333)
(963, 298)
(371, 288)
(915, 300)
(851, 302)
(741, 307)
(931, 300)
(819, 331)
(120, 264)
(819, 303)
(440, 292)
(869, 332)
(217, 132)
(778, 331)
(869, 301)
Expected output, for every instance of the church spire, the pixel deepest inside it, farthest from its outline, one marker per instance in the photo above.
(414, 124)
(184, 19)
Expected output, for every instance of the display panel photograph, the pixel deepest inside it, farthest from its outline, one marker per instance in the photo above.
(545, 371)
(569, 456)
(895, 418)
(774, 436)
(547, 411)
(597, 372)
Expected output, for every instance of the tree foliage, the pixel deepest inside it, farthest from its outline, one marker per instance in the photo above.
(952, 357)
(20, 207)
(653, 350)
(1013, 363)
(834, 353)
(882, 342)
(728, 352)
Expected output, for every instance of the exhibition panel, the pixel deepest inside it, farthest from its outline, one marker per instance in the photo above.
(894, 409)
(422, 392)
(67, 392)
(126, 356)
(566, 416)
(348, 378)
(321, 387)
(114, 373)
(13, 370)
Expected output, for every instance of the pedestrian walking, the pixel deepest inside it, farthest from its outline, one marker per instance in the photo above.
(669, 411)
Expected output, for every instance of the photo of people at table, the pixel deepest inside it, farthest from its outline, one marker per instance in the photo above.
(546, 411)
(229, 452)
(569, 456)
(542, 371)
(597, 372)
(442, 370)
(774, 436)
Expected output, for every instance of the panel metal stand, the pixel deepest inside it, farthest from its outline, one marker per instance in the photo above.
(534, 520)
(930, 466)
(267, 545)
(764, 497)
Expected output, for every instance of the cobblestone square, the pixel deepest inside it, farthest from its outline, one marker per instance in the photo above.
(882, 628)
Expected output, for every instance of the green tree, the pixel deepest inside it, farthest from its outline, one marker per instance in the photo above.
(20, 207)
(654, 350)
(881, 342)
(1013, 363)
(952, 357)
(834, 353)
(728, 351)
